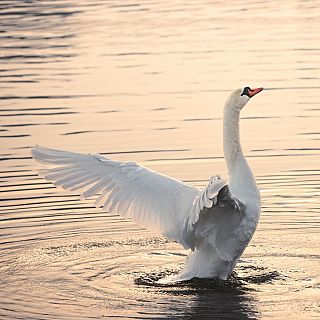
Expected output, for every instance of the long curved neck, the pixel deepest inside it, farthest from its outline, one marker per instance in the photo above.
(241, 179)
(231, 139)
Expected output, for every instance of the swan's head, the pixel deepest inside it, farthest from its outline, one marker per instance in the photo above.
(240, 97)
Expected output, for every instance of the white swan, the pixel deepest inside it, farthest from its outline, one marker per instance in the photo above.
(216, 223)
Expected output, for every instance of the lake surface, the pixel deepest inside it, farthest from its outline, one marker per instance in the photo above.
(146, 81)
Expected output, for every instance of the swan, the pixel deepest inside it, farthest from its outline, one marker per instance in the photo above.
(216, 223)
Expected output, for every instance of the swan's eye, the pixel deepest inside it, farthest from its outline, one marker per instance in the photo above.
(246, 92)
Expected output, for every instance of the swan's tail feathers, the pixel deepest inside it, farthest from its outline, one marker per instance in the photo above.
(153, 200)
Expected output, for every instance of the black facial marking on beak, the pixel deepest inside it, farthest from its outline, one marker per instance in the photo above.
(246, 92)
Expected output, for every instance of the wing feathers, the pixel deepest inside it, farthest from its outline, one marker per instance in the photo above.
(155, 201)
(96, 188)
(81, 187)
(206, 198)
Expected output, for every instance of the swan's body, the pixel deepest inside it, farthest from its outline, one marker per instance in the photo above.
(216, 223)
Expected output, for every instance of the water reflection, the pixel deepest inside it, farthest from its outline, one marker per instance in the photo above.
(35, 35)
(213, 298)
(146, 81)
(222, 305)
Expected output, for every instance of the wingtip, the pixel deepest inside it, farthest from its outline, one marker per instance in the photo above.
(39, 154)
(33, 150)
(35, 147)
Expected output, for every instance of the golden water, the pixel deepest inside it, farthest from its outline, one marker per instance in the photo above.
(146, 81)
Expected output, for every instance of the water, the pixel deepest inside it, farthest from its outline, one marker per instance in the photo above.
(146, 81)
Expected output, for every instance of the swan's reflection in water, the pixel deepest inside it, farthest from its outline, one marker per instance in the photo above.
(211, 298)
(231, 304)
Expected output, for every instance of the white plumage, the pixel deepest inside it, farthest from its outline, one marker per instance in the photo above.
(216, 223)
(151, 199)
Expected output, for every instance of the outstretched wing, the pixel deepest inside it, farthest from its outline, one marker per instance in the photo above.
(151, 199)
(213, 209)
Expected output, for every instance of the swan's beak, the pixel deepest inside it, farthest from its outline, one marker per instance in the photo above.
(253, 92)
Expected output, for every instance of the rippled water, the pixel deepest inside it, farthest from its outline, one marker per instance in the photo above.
(146, 81)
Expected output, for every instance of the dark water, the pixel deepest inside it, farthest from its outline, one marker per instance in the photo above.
(146, 81)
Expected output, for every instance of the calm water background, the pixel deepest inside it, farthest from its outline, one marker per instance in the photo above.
(146, 81)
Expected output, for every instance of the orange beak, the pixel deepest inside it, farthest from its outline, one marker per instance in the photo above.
(253, 92)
